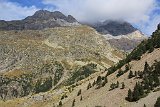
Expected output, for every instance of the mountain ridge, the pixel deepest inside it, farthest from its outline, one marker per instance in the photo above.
(120, 34)
(39, 20)
(114, 27)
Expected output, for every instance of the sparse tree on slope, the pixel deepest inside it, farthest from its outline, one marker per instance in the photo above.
(79, 92)
(73, 103)
(157, 104)
(123, 85)
(89, 86)
(130, 96)
(130, 74)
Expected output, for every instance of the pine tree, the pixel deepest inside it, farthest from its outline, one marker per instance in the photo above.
(157, 104)
(73, 103)
(140, 74)
(104, 82)
(146, 68)
(89, 86)
(130, 74)
(156, 80)
(79, 92)
(81, 98)
(117, 85)
(120, 72)
(151, 48)
(141, 90)
(146, 83)
(113, 86)
(127, 67)
(123, 85)
(99, 79)
(130, 96)
(151, 82)
(60, 103)
(144, 105)
(136, 93)
(99, 82)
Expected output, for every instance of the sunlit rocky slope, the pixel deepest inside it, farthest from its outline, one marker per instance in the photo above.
(32, 56)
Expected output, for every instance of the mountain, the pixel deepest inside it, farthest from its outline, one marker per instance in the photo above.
(120, 34)
(111, 30)
(56, 62)
(40, 20)
(34, 61)
(132, 82)
(114, 28)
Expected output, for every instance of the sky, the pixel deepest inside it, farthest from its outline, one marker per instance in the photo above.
(142, 14)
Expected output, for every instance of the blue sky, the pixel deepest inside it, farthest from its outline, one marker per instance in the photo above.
(143, 14)
(38, 3)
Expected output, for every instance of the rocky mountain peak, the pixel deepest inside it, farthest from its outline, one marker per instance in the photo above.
(114, 28)
(47, 15)
(71, 19)
(120, 34)
(40, 20)
(41, 12)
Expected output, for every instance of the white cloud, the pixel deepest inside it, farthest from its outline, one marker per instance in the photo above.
(130, 10)
(14, 11)
(137, 12)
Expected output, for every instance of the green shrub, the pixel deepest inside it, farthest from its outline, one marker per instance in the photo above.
(82, 73)
(43, 85)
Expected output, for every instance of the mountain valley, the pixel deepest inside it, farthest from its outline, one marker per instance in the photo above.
(52, 60)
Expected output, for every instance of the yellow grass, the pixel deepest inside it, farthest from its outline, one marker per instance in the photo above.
(14, 73)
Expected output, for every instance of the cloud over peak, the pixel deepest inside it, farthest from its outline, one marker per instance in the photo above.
(144, 14)
(91, 10)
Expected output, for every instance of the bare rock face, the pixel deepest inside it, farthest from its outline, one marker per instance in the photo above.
(126, 42)
(114, 28)
(40, 20)
(120, 34)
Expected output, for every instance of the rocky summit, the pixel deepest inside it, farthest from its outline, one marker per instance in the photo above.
(114, 28)
(40, 20)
